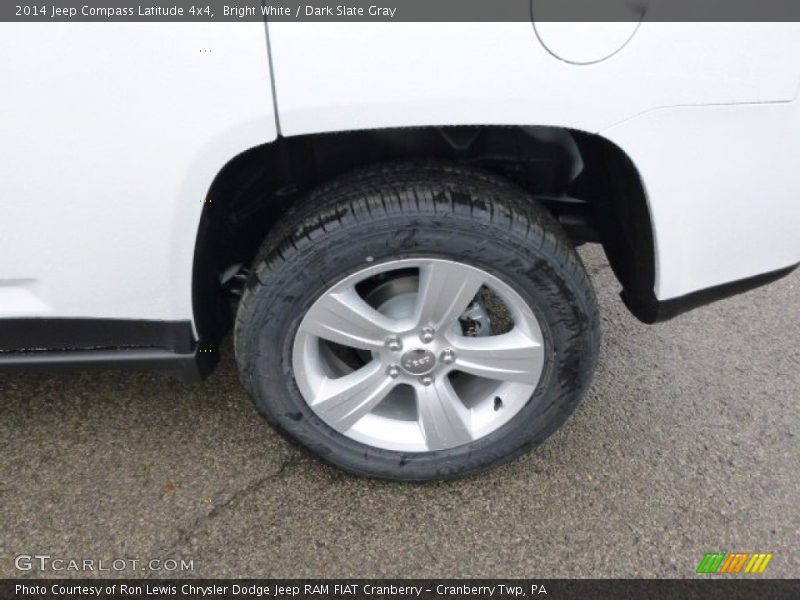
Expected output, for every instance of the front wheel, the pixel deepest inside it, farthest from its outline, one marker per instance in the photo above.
(417, 322)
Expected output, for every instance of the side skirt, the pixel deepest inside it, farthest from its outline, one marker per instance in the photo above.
(82, 344)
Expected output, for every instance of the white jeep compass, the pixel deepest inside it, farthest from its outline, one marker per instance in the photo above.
(385, 214)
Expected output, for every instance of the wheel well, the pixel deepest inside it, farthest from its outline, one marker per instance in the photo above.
(590, 185)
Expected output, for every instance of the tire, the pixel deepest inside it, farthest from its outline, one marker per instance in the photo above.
(431, 216)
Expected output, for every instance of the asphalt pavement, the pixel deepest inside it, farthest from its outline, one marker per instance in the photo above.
(688, 442)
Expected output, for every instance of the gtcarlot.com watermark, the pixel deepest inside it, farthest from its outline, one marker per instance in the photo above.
(56, 564)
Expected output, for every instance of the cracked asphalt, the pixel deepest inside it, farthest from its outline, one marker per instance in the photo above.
(687, 442)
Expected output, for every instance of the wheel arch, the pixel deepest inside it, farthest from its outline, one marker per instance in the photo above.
(590, 184)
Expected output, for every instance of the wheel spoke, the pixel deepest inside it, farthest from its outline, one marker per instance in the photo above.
(443, 418)
(346, 319)
(512, 356)
(445, 291)
(343, 401)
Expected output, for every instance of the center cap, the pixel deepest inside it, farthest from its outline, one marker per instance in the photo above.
(418, 362)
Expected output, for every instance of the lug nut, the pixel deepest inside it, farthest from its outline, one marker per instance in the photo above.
(392, 371)
(426, 380)
(427, 334)
(394, 344)
(448, 356)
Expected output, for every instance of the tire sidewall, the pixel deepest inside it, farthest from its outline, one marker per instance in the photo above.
(285, 290)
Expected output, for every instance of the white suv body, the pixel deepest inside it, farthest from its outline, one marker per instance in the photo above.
(114, 135)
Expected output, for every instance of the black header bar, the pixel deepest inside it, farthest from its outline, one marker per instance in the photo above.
(402, 11)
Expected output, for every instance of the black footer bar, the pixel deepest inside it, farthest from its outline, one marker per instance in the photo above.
(424, 589)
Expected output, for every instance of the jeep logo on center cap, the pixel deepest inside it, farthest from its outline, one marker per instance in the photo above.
(418, 362)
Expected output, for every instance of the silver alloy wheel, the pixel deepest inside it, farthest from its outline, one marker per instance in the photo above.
(418, 384)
